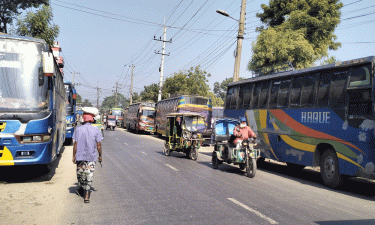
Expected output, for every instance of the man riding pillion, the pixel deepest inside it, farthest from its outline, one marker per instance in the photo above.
(242, 132)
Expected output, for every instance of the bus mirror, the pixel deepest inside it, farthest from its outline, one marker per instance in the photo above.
(74, 96)
(48, 64)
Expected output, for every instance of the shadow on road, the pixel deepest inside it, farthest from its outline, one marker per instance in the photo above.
(30, 173)
(347, 222)
(356, 187)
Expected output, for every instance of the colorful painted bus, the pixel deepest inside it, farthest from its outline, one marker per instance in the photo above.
(184, 103)
(118, 112)
(321, 116)
(71, 113)
(140, 117)
(32, 102)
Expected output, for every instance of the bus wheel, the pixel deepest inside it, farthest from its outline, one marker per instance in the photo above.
(329, 169)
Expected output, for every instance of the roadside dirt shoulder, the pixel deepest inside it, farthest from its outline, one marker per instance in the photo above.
(29, 196)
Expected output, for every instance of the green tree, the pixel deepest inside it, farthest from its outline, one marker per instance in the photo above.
(38, 25)
(296, 31)
(79, 99)
(10, 9)
(220, 89)
(150, 93)
(330, 60)
(216, 101)
(193, 81)
(109, 101)
(86, 102)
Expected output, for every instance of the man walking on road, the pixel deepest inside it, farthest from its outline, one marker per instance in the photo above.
(87, 139)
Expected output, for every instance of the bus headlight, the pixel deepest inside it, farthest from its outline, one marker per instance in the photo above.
(39, 138)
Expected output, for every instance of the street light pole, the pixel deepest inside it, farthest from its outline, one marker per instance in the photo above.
(241, 30)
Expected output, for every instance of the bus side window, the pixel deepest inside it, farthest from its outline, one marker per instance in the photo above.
(234, 98)
(307, 93)
(337, 95)
(255, 98)
(283, 95)
(245, 95)
(323, 89)
(273, 95)
(263, 96)
(295, 92)
(231, 100)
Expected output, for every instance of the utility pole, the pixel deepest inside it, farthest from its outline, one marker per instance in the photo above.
(241, 30)
(131, 86)
(74, 74)
(97, 95)
(162, 58)
(116, 94)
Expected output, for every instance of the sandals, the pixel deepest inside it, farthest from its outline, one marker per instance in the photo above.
(87, 197)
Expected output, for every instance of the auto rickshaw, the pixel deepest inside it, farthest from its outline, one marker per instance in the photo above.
(111, 122)
(98, 123)
(225, 150)
(184, 134)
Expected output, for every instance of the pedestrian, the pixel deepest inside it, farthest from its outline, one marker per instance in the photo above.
(87, 140)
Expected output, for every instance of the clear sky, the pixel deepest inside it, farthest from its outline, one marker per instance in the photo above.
(100, 39)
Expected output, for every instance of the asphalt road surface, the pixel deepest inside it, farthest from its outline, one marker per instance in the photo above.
(139, 185)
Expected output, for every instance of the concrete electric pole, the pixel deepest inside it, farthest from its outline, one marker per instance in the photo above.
(116, 93)
(131, 86)
(162, 58)
(241, 30)
(97, 96)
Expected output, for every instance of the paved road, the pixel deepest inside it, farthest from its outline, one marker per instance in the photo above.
(139, 185)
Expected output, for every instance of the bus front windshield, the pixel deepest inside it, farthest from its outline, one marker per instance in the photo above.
(69, 100)
(23, 86)
(194, 123)
(116, 112)
(148, 113)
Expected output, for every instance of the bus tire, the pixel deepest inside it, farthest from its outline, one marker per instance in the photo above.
(329, 169)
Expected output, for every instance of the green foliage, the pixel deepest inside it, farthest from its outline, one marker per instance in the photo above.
(38, 25)
(296, 31)
(109, 102)
(79, 99)
(330, 60)
(194, 81)
(220, 89)
(216, 101)
(10, 9)
(150, 93)
(86, 102)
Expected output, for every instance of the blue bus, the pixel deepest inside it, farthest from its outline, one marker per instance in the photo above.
(321, 117)
(32, 102)
(71, 102)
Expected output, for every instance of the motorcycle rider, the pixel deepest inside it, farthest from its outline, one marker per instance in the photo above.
(242, 132)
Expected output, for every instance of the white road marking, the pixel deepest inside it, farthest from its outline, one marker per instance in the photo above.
(126, 144)
(271, 221)
(172, 167)
(116, 138)
(144, 153)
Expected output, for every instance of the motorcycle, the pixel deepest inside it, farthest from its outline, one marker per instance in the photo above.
(225, 151)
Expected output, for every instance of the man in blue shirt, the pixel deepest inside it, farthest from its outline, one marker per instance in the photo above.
(87, 140)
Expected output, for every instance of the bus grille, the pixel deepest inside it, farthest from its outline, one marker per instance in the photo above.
(2, 126)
